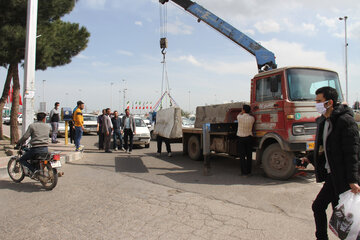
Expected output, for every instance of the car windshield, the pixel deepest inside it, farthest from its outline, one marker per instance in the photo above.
(186, 121)
(90, 118)
(303, 83)
(139, 122)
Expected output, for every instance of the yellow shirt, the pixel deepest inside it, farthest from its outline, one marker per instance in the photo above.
(78, 118)
(245, 125)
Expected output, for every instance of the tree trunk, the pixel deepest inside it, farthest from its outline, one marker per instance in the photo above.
(4, 97)
(14, 132)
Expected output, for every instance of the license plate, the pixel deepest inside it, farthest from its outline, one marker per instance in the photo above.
(310, 146)
(55, 164)
(136, 139)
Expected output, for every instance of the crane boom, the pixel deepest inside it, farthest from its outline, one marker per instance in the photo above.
(265, 59)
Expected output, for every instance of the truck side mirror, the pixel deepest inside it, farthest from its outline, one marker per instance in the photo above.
(274, 87)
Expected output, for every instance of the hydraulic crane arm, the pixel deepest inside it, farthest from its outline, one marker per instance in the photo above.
(265, 58)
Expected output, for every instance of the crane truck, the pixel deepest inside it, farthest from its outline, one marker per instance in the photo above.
(281, 99)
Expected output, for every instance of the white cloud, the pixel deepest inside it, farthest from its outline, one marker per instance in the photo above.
(308, 27)
(179, 28)
(139, 23)
(267, 26)
(354, 30)
(99, 64)
(249, 32)
(96, 4)
(331, 23)
(220, 67)
(82, 56)
(293, 53)
(126, 53)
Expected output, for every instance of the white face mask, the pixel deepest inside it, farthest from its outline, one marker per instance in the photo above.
(320, 107)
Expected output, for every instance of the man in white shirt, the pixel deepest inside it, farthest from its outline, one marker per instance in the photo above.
(244, 133)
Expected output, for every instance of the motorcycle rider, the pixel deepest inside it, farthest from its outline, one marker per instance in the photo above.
(39, 133)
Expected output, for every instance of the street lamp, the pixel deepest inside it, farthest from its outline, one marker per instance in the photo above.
(189, 101)
(346, 67)
(44, 90)
(124, 91)
(111, 100)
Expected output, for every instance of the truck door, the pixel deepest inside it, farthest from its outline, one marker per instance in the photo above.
(268, 106)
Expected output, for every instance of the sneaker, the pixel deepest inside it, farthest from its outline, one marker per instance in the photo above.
(158, 154)
(127, 151)
(169, 154)
(77, 150)
(123, 149)
(115, 149)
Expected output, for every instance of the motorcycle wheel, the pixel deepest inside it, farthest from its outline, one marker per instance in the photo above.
(15, 170)
(48, 177)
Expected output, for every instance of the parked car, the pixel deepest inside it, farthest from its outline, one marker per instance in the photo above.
(6, 120)
(147, 122)
(187, 123)
(90, 123)
(61, 129)
(142, 136)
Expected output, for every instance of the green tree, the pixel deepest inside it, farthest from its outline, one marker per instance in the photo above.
(59, 42)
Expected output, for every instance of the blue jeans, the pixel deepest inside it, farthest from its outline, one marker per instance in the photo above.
(28, 155)
(78, 135)
(117, 135)
(54, 131)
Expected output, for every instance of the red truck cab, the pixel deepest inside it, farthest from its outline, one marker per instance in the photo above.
(283, 103)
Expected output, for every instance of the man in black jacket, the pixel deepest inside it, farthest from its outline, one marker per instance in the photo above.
(335, 157)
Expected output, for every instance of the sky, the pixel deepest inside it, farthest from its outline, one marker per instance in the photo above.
(203, 67)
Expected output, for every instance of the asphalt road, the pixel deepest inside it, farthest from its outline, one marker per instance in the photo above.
(142, 196)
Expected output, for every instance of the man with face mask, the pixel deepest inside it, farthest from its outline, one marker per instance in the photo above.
(335, 156)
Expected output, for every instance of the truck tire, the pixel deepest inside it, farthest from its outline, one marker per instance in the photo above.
(277, 163)
(194, 150)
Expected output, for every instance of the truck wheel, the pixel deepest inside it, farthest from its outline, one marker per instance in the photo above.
(194, 150)
(147, 145)
(277, 163)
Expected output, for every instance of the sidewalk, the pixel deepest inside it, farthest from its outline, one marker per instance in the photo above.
(66, 151)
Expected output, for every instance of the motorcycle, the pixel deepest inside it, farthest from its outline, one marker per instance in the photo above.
(46, 167)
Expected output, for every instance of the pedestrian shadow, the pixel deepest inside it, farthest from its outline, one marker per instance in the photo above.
(130, 164)
(24, 186)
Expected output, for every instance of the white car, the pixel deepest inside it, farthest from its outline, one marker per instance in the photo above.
(142, 136)
(61, 128)
(6, 120)
(147, 122)
(90, 123)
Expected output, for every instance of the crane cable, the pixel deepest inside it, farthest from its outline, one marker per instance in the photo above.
(163, 46)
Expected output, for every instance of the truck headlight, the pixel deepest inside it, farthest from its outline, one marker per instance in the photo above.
(298, 130)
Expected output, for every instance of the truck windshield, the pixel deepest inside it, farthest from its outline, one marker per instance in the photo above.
(303, 83)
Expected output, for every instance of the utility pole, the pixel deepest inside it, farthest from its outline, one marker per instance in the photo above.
(189, 102)
(124, 90)
(346, 59)
(29, 68)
